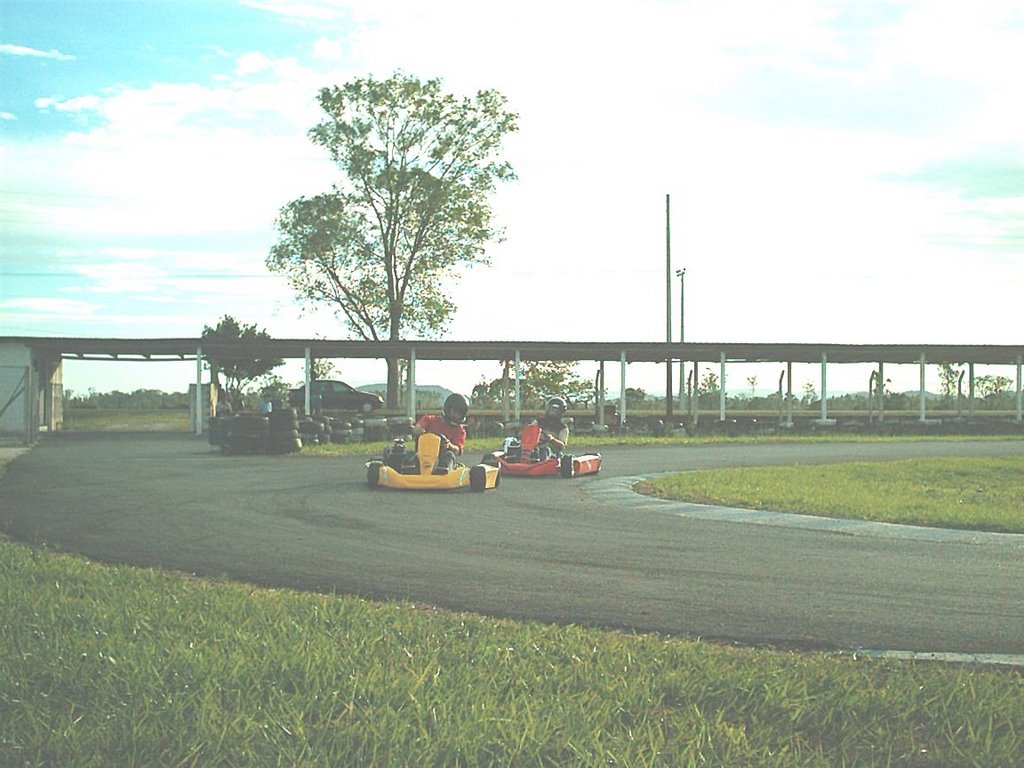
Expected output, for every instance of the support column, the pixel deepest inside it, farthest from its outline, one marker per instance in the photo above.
(308, 379)
(411, 400)
(789, 393)
(1020, 388)
(599, 394)
(721, 388)
(824, 387)
(199, 390)
(622, 389)
(881, 392)
(695, 395)
(921, 390)
(518, 402)
(970, 391)
(504, 392)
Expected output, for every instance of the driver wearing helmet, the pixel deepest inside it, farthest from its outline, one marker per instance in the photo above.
(554, 429)
(450, 424)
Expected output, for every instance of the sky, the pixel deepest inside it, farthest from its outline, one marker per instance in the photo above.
(839, 172)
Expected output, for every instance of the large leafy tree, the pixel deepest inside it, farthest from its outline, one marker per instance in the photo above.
(239, 370)
(541, 379)
(383, 246)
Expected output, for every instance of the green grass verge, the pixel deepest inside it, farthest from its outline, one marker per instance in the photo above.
(985, 494)
(125, 420)
(125, 666)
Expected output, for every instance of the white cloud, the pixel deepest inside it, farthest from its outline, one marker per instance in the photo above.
(7, 49)
(54, 307)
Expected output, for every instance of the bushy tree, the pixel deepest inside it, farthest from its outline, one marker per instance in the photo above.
(411, 207)
(539, 380)
(239, 370)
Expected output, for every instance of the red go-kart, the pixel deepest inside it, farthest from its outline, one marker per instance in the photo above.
(524, 455)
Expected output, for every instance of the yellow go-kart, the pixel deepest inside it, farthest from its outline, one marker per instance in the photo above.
(423, 469)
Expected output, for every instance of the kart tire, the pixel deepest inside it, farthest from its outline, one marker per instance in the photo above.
(478, 477)
(565, 466)
(373, 473)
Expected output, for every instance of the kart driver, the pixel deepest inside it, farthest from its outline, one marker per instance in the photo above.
(554, 430)
(450, 424)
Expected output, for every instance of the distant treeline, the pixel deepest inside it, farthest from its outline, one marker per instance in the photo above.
(153, 399)
(140, 399)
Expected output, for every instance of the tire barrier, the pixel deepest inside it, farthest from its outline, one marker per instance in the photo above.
(285, 430)
(375, 429)
(250, 433)
(399, 426)
(246, 433)
(219, 429)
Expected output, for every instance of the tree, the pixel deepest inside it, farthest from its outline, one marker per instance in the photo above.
(418, 167)
(990, 386)
(540, 379)
(239, 370)
(949, 376)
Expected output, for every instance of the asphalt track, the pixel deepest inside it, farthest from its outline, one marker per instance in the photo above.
(586, 551)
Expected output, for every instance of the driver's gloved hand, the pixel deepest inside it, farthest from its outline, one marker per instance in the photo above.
(445, 463)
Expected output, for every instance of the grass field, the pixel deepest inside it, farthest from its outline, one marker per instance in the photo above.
(974, 494)
(126, 666)
(135, 667)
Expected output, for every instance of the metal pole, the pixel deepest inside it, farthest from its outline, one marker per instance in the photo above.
(668, 306)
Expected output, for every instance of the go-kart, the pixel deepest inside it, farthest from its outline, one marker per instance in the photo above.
(421, 469)
(525, 455)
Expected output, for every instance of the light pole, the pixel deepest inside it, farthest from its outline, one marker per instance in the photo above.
(681, 274)
(668, 306)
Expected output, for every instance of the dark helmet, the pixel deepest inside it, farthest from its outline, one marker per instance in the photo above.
(455, 409)
(556, 406)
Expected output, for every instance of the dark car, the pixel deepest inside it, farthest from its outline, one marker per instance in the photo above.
(336, 396)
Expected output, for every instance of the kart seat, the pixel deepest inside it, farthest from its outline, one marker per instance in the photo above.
(529, 437)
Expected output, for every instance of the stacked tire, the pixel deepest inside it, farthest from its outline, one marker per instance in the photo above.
(284, 431)
(341, 431)
(314, 430)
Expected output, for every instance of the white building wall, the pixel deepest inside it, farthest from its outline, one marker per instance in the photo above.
(31, 392)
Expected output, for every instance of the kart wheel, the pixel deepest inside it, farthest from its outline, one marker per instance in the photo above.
(373, 473)
(478, 478)
(565, 466)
